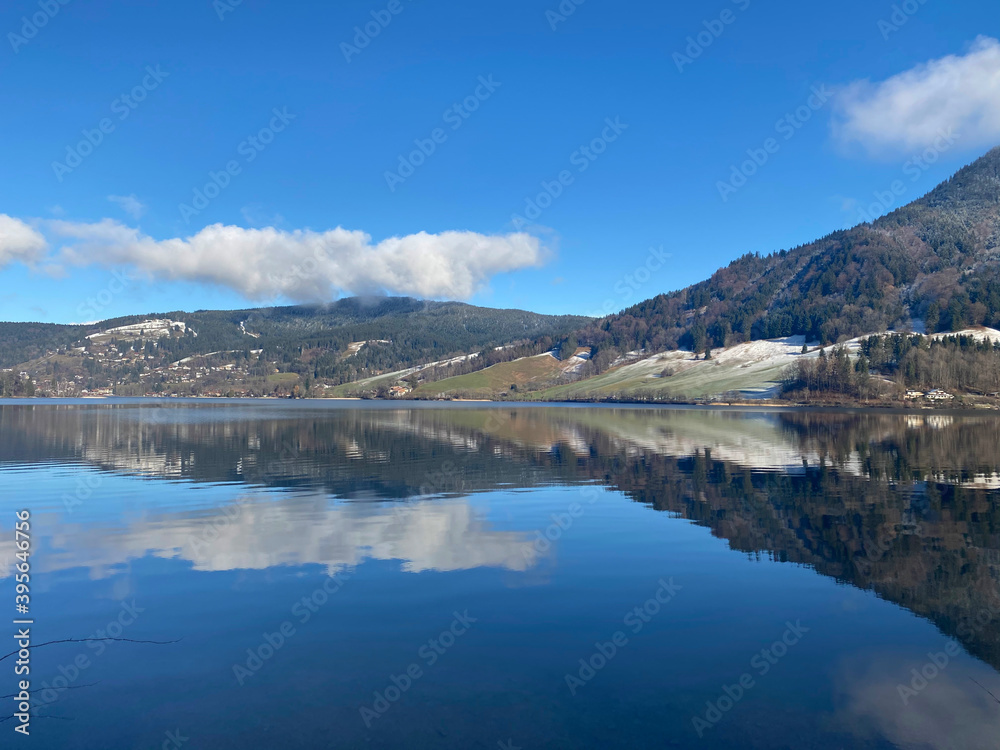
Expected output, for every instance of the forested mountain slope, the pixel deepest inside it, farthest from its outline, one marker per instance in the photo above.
(934, 261)
(386, 333)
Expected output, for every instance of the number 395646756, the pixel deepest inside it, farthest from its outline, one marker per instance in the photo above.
(22, 541)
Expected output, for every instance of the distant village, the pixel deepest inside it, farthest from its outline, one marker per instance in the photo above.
(148, 359)
(128, 361)
(132, 360)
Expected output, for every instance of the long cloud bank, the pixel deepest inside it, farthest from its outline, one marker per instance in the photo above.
(261, 264)
(956, 94)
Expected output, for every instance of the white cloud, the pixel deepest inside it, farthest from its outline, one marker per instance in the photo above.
(950, 712)
(911, 110)
(304, 265)
(255, 533)
(19, 242)
(129, 204)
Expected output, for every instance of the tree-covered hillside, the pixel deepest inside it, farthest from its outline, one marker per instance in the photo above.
(935, 261)
(20, 342)
(315, 341)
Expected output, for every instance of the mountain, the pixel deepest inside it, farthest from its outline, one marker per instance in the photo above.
(934, 262)
(274, 348)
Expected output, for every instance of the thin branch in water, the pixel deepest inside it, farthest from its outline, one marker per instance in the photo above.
(40, 690)
(89, 640)
(39, 716)
(985, 688)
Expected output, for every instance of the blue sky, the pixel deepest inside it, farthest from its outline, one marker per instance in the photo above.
(310, 128)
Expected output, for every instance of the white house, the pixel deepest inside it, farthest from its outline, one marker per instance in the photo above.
(938, 395)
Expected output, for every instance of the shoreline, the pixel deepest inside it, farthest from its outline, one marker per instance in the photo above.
(757, 405)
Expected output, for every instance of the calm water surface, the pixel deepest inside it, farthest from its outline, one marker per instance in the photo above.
(378, 576)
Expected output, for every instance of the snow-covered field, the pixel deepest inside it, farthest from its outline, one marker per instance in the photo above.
(571, 365)
(980, 333)
(754, 369)
(391, 377)
(147, 328)
(357, 346)
(575, 363)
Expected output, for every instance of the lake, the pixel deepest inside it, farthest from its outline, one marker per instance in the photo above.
(381, 575)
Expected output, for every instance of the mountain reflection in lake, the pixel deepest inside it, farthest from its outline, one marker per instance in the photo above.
(559, 577)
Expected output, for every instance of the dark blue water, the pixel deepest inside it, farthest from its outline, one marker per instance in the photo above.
(355, 576)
